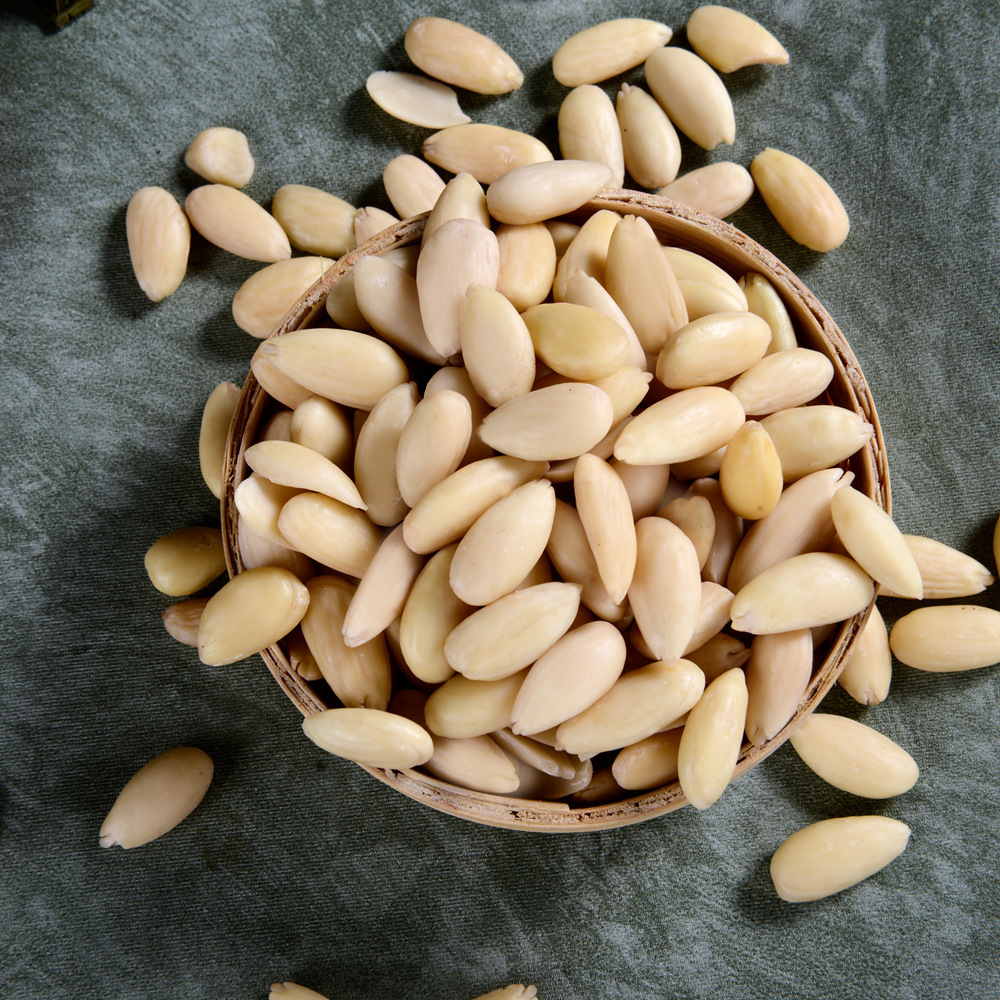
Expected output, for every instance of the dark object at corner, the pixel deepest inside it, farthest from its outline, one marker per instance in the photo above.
(66, 11)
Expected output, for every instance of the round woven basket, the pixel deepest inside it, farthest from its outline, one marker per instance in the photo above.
(737, 254)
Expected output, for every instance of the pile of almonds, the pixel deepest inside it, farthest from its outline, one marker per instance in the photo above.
(551, 542)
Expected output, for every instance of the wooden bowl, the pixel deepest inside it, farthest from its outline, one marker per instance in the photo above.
(737, 254)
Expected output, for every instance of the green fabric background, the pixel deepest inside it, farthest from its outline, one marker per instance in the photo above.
(298, 865)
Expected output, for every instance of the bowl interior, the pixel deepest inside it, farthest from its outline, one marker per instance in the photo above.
(737, 254)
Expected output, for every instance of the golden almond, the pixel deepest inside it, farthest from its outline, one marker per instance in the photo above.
(369, 736)
(642, 282)
(853, 757)
(607, 49)
(945, 571)
(462, 708)
(576, 341)
(832, 855)
(693, 96)
(589, 130)
(360, 676)
(763, 300)
(750, 474)
(214, 432)
(650, 146)
(263, 299)
(288, 464)
(185, 560)
(503, 545)
(485, 151)
(157, 797)
(527, 264)
(729, 40)
(947, 638)
(159, 240)
(777, 674)
(251, 612)
(234, 222)
(350, 368)
(432, 611)
(800, 522)
(415, 99)
(541, 191)
(802, 201)
(569, 677)
(650, 763)
(557, 422)
(712, 349)
(872, 539)
(717, 189)
(816, 588)
(711, 740)
(584, 290)
(432, 443)
(811, 438)
(641, 702)
(459, 254)
(665, 593)
(446, 511)
(511, 633)
(330, 532)
(606, 514)
(221, 156)
(454, 53)
(686, 425)
(496, 345)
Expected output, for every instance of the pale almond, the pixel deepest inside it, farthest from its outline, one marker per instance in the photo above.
(947, 638)
(729, 40)
(811, 438)
(712, 349)
(412, 185)
(764, 300)
(234, 222)
(433, 443)
(261, 302)
(588, 130)
(649, 763)
(718, 189)
(185, 560)
(415, 99)
(777, 674)
(588, 251)
(607, 49)
(650, 146)
(541, 191)
(462, 708)
(322, 425)
(159, 240)
(330, 532)
(215, 420)
(288, 464)
(867, 672)
(945, 571)
(576, 341)
(369, 221)
(485, 151)
(181, 620)
(783, 380)
(527, 264)
(370, 737)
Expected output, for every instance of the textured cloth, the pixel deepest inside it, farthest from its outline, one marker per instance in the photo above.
(297, 865)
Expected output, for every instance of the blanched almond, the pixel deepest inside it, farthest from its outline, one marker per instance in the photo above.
(712, 349)
(650, 763)
(696, 518)
(485, 151)
(257, 550)
(462, 197)
(315, 220)
(764, 300)
(359, 675)
(448, 509)
(728, 530)
(251, 612)
(583, 290)
(369, 736)
(645, 486)
(557, 422)
(511, 633)
(411, 185)
(711, 740)
(496, 345)
(433, 443)
(322, 425)
(330, 532)
(369, 221)
(503, 545)
(342, 304)
(576, 341)
(181, 620)
(853, 757)
(348, 367)
(750, 474)
(588, 130)
(868, 671)
(729, 40)
(686, 425)
(527, 264)
(777, 674)
(642, 282)
(415, 99)
(462, 708)
(459, 254)
(832, 855)
(945, 571)
(721, 653)
(185, 560)
(221, 155)
(535, 754)
(275, 382)
(689, 266)
(713, 615)
(288, 464)
(802, 201)
(810, 438)
(541, 191)
(159, 239)
(811, 589)
(157, 797)
(650, 145)
(263, 299)
(587, 252)
(641, 702)
(234, 222)
(693, 96)
(872, 539)
(454, 53)
(215, 421)
(947, 638)
(718, 188)
(665, 593)
(783, 380)
(607, 49)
